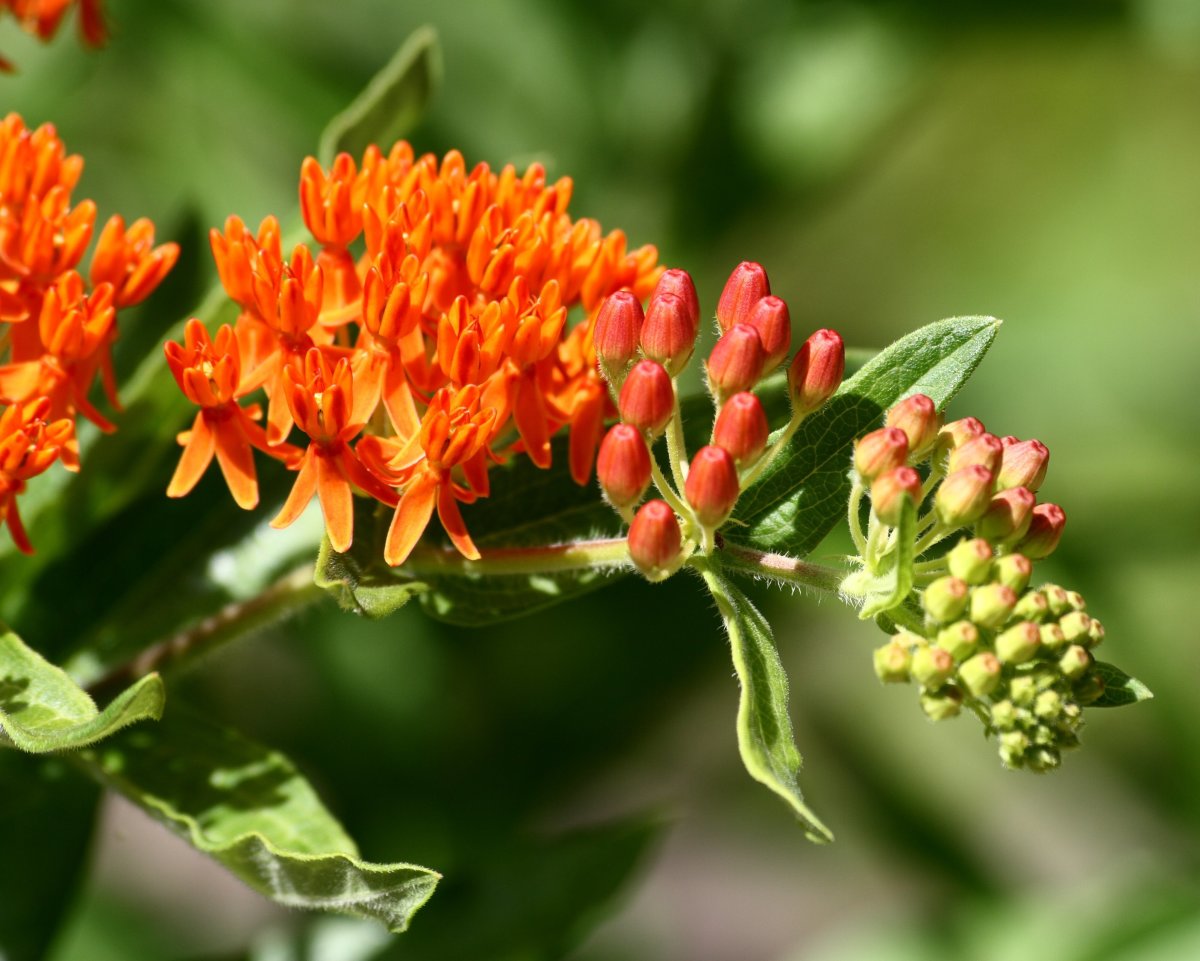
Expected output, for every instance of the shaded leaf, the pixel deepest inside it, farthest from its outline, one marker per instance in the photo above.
(250, 809)
(897, 583)
(391, 104)
(764, 728)
(46, 817)
(803, 493)
(1119, 688)
(43, 710)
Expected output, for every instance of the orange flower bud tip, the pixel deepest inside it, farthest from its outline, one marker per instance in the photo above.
(918, 417)
(746, 286)
(618, 329)
(890, 491)
(647, 398)
(984, 449)
(880, 451)
(679, 283)
(963, 496)
(712, 485)
(742, 429)
(816, 371)
(1015, 571)
(736, 361)
(623, 466)
(655, 540)
(771, 319)
(1023, 464)
(1045, 531)
(1008, 516)
(955, 433)
(669, 332)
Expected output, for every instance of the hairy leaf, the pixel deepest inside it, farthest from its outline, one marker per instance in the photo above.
(803, 493)
(1119, 688)
(391, 104)
(897, 583)
(764, 728)
(43, 710)
(46, 816)
(250, 809)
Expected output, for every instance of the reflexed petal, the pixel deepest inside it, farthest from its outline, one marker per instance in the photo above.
(411, 518)
(197, 455)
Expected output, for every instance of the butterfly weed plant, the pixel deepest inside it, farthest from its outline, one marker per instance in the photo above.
(481, 391)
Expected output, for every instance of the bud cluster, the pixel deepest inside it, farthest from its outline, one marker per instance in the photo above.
(1019, 658)
(641, 352)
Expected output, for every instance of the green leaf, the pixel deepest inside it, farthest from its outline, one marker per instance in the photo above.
(250, 809)
(1119, 688)
(46, 817)
(897, 584)
(803, 493)
(363, 585)
(43, 710)
(764, 728)
(391, 104)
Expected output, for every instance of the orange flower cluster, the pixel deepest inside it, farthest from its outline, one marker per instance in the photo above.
(42, 18)
(56, 329)
(427, 340)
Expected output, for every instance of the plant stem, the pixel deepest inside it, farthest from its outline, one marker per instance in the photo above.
(781, 568)
(552, 559)
(676, 447)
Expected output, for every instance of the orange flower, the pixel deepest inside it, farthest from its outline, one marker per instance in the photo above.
(29, 443)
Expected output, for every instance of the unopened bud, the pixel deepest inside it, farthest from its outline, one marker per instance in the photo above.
(669, 332)
(742, 428)
(1008, 515)
(892, 490)
(931, 665)
(971, 560)
(1014, 570)
(623, 466)
(1095, 633)
(942, 704)
(945, 599)
(1075, 599)
(1023, 689)
(880, 451)
(746, 286)
(1075, 662)
(1023, 464)
(618, 328)
(982, 449)
(954, 434)
(816, 371)
(992, 604)
(771, 319)
(1045, 531)
(679, 283)
(736, 361)
(1075, 627)
(1013, 745)
(1019, 643)
(1048, 706)
(712, 485)
(1053, 637)
(647, 398)
(918, 417)
(892, 661)
(655, 540)
(981, 674)
(1032, 606)
(960, 639)
(1004, 715)
(963, 496)
(1058, 599)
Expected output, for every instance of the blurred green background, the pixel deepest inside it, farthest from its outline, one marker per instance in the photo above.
(574, 774)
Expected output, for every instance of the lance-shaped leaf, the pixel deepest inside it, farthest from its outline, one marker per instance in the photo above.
(803, 494)
(43, 710)
(392, 102)
(882, 592)
(1119, 688)
(764, 728)
(250, 809)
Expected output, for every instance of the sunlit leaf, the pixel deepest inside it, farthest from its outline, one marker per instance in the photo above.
(1119, 688)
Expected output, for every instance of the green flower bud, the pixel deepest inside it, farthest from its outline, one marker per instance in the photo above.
(1013, 745)
(945, 599)
(1043, 759)
(942, 704)
(963, 496)
(1075, 627)
(981, 674)
(1022, 690)
(992, 604)
(1019, 643)
(931, 665)
(971, 560)
(1048, 706)
(1096, 632)
(1053, 638)
(1075, 662)
(1032, 606)
(1005, 715)
(960, 639)
(1058, 599)
(1014, 570)
(1075, 599)
(892, 662)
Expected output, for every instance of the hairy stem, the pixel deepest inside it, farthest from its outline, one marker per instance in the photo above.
(555, 558)
(781, 568)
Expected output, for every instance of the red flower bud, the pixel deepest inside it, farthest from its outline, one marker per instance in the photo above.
(1008, 516)
(890, 490)
(880, 451)
(669, 333)
(741, 428)
(679, 283)
(736, 362)
(955, 433)
(623, 466)
(1023, 464)
(1045, 531)
(917, 416)
(983, 449)
(963, 496)
(618, 327)
(712, 485)
(648, 397)
(771, 319)
(655, 539)
(816, 371)
(746, 286)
